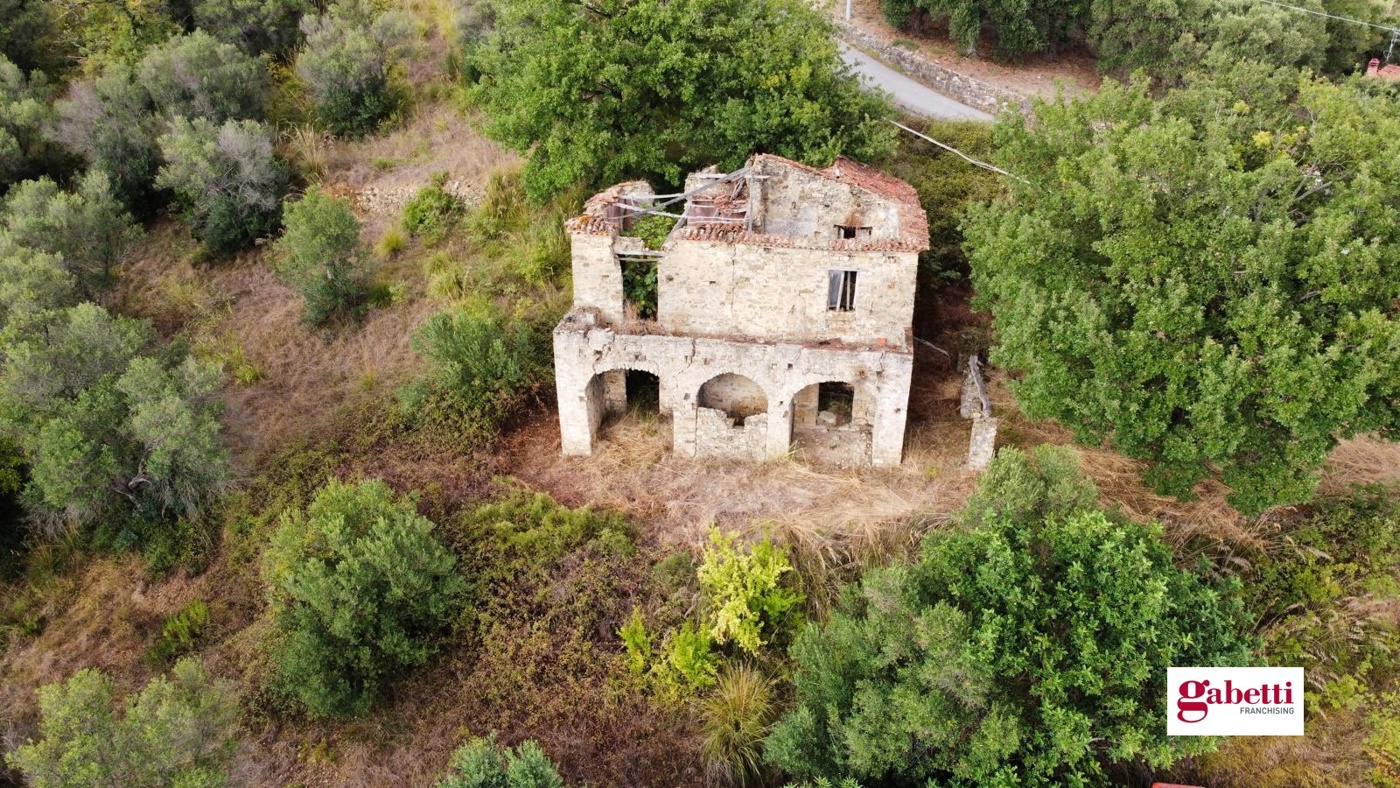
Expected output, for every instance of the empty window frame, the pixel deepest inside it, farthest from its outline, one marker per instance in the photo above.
(841, 291)
(852, 231)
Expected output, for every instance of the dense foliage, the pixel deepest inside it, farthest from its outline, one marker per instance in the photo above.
(644, 88)
(347, 64)
(1164, 37)
(106, 427)
(322, 257)
(745, 591)
(107, 121)
(1029, 646)
(360, 589)
(88, 229)
(25, 115)
(254, 26)
(176, 731)
(227, 177)
(197, 76)
(1182, 278)
(481, 763)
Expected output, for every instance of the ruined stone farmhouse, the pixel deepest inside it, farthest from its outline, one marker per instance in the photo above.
(775, 314)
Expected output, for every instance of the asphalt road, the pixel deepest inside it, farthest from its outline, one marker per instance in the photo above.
(907, 93)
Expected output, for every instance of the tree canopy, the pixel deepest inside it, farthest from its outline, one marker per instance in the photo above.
(1028, 646)
(1205, 281)
(599, 92)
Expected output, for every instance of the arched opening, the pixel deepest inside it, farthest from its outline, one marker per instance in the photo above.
(643, 391)
(831, 423)
(737, 396)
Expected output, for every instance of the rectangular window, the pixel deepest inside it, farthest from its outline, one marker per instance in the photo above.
(845, 231)
(841, 291)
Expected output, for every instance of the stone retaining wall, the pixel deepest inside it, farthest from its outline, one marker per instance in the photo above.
(969, 90)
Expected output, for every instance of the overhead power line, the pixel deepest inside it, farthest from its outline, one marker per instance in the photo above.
(984, 165)
(1332, 16)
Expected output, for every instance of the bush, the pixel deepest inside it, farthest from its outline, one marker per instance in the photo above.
(177, 731)
(108, 122)
(359, 589)
(481, 763)
(32, 281)
(347, 64)
(255, 26)
(480, 366)
(1029, 645)
(196, 76)
(87, 229)
(227, 178)
(431, 212)
(744, 591)
(321, 256)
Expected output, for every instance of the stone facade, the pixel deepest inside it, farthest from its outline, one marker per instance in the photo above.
(781, 285)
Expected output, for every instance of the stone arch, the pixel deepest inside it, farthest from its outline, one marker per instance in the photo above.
(627, 385)
(833, 421)
(731, 418)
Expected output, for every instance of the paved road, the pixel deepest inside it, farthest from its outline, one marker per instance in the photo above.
(907, 93)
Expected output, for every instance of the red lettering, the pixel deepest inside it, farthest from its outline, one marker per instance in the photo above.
(1251, 696)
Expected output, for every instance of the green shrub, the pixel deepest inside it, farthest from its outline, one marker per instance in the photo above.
(322, 258)
(1029, 645)
(744, 591)
(196, 76)
(479, 367)
(108, 122)
(359, 588)
(735, 717)
(432, 212)
(652, 229)
(481, 763)
(87, 228)
(180, 632)
(176, 731)
(637, 641)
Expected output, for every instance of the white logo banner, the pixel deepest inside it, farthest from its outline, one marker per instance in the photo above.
(1234, 701)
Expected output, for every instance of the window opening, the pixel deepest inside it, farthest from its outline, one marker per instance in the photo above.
(841, 291)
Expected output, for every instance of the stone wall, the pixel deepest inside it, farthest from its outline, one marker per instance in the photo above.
(803, 204)
(717, 435)
(585, 349)
(846, 447)
(719, 289)
(969, 90)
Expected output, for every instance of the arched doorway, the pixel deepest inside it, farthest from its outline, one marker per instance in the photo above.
(731, 418)
(831, 423)
(737, 396)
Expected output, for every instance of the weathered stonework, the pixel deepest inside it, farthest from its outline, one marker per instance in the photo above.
(753, 318)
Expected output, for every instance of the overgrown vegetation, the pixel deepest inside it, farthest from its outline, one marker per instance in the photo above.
(481, 763)
(177, 731)
(1276, 288)
(1029, 644)
(322, 257)
(622, 90)
(359, 589)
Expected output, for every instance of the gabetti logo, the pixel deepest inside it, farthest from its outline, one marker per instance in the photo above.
(1234, 701)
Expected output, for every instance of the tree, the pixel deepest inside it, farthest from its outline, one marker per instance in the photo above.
(228, 178)
(322, 257)
(482, 763)
(1180, 278)
(359, 587)
(255, 26)
(108, 122)
(651, 89)
(105, 428)
(346, 62)
(176, 731)
(24, 114)
(31, 281)
(197, 76)
(1018, 27)
(87, 228)
(1029, 645)
(26, 28)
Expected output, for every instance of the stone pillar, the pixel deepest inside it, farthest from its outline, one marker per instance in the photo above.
(982, 445)
(887, 434)
(804, 406)
(683, 416)
(779, 438)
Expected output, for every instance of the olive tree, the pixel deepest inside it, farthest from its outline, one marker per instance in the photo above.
(347, 64)
(24, 114)
(255, 26)
(322, 257)
(108, 121)
(197, 76)
(228, 178)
